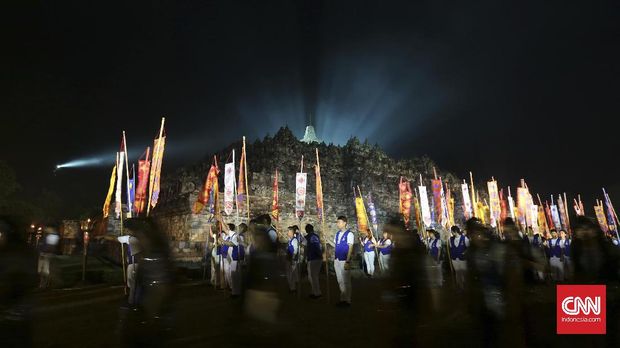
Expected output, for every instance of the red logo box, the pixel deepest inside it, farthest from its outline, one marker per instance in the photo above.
(581, 309)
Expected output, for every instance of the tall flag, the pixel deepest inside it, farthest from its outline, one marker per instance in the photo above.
(372, 211)
(562, 209)
(426, 211)
(522, 205)
(504, 209)
(108, 197)
(542, 220)
(481, 212)
(275, 209)
(301, 180)
(418, 213)
(119, 182)
(494, 204)
(437, 188)
(143, 174)
(129, 182)
(578, 206)
(131, 186)
(241, 186)
(611, 221)
(599, 210)
(534, 217)
(210, 183)
(550, 220)
(319, 188)
(158, 156)
(360, 211)
(511, 205)
(451, 204)
(214, 198)
(445, 213)
(229, 186)
(467, 208)
(555, 215)
(404, 190)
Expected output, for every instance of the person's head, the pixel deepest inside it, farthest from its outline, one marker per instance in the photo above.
(386, 235)
(243, 227)
(292, 230)
(510, 230)
(436, 234)
(264, 219)
(562, 234)
(455, 230)
(341, 223)
(554, 234)
(309, 229)
(231, 227)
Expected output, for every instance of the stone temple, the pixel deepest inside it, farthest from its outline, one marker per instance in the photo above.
(342, 168)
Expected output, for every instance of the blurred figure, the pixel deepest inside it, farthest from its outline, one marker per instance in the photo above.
(566, 247)
(48, 250)
(536, 242)
(232, 254)
(368, 246)
(18, 277)
(148, 323)
(314, 259)
(556, 257)
(384, 247)
(343, 241)
(292, 258)
(135, 255)
(458, 248)
(436, 255)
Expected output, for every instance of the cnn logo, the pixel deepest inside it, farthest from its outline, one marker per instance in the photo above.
(581, 309)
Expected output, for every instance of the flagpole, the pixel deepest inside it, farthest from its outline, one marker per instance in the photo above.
(613, 211)
(235, 188)
(155, 151)
(567, 215)
(122, 246)
(323, 233)
(474, 204)
(247, 185)
(127, 175)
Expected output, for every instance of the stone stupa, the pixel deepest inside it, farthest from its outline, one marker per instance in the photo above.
(310, 136)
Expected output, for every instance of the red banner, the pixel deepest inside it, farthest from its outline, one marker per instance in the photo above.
(436, 187)
(275, 209)
(210, 183)
(405, 200)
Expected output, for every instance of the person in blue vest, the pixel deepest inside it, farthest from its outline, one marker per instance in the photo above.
(368, 245)
(233, 252)
(314, 259)
(458, 246)
(385, 247)
(292, 258)
(566, 246)
(556, 261)
(536, 242)
(436, 253)
(343, 242)
(216, 258)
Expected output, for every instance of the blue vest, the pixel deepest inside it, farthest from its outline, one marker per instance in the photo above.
(536, 240)
(342, 248)
(434, 249)
(567, 247)
(313, 247)
(290, 249)
(238, 252)
(387, 250)
(554, 248)
(368, 246)
(224, 248)
(458, 251)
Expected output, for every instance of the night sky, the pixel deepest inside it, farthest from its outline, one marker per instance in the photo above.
(510, 89)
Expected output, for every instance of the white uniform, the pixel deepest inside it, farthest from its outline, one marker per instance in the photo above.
(384, 259)
(460, 266)
(369, 257)
(555, 263)
(232, 267)
(343, 276)
(291, 265)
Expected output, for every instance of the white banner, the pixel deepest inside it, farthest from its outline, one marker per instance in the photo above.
(229, 187)
(534, 215)
(511, 207)
(119, 183)
(555, 215)
(300, 194)
(466, 201)
(426, 211)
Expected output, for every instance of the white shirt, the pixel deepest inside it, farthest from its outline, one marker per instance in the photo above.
(233, 237)
(457, 240)
(350, 239)
(387, 242)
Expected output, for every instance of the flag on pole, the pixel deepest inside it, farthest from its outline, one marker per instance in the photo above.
(481, 212)
(562, 209)
(511, 206)
(275, 209)
(451, 204)
(229, 187)
(549, 216)
(418, 213)
(373, 213)
(503, 209)
(611, 221)
(600, 216)
(143, 174)
(404, 190)
(119, 182)
(555, 216)
(360, 211)
(542, 220)
(467, 208)
(319, 189)
(522, 205)
(241, 186)
(301, 180)
(534, 217)
(494, 203)
(436, 186)
(108, 197)
(578, 206)
(158, 156)
(445, 214)
(210, 183)
(131, 186)
(425, 208)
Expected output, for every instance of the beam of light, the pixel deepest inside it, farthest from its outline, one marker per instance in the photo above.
(85, 162)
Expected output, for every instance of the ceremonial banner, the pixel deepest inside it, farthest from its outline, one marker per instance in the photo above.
(108, 197)
(241, 183)
(373, 213)
(611, 222)
(555, 215)
(511, 208)
(562, 209)
(600, 216)
(143, 174)
(542, 220)
(131, 186)
(418, 214)
(154, 181)
(426, 211)
(522, 206)
(404, 189)
(119, 183)
(481, 212)
(502, 205)
(549, 217)
(494, 204)
(229, 187)
(445, 217)
(437, 188)
(360, 211)
(467, 209)
(214, 198)
(534, 217)
(319, 191)
(275, 209)
(205, 194)
(300, 194)
(451, 211)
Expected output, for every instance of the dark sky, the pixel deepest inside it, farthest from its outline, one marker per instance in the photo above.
(511, 89)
